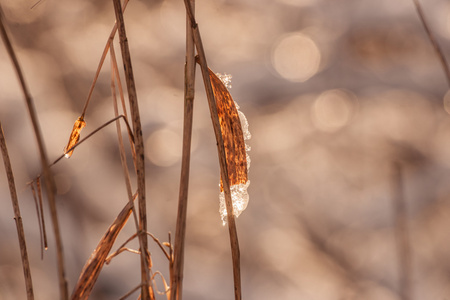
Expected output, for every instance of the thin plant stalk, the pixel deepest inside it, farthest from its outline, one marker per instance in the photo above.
(39, 217)
(189, 92)
(235, 253)
(433, 41)
(115, 76)
(115, 67)
(92, 133)
(139, 146)
(102, 60)
(49, 180)
(17, 216)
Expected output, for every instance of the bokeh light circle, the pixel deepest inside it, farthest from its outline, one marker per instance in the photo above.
(163, 147)
(296, 57)
(333, 109)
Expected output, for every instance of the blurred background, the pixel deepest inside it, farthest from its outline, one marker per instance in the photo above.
(348, 109)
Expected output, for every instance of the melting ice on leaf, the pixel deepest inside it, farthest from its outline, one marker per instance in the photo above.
(234, 127)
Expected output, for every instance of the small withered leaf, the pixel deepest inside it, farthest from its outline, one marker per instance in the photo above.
(74, 136)
(233, 137)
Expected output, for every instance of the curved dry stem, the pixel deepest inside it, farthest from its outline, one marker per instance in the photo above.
(49, 180)
(17, 216)
(433, 41)
(102, 60)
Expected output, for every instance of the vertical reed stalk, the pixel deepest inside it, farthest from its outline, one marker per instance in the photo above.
(433, 41)
(17, 217)
(102, 60)
(49, 181)
(189, 93)
(235, 253)
(139, 144)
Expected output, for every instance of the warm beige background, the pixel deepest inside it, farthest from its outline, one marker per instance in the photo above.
(337, 94)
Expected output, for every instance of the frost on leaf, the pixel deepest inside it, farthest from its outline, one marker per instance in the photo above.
(226, 80)
(74, 136)
(234, 127)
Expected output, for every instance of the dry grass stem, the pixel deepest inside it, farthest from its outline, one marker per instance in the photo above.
(40, 216)
(41, 207)
(433, 41)
(139, 146)
(235, 253)
(130, 292)
(166, 287)
(17, 216)
(102, 60)
(115, 76)
(94, 132)
(49, 180)
(189, 92)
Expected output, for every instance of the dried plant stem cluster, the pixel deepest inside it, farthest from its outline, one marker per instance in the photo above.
(231, 173)
(233, 161)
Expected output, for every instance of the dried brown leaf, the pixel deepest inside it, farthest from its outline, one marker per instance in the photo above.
(74, 136)
(233, 137)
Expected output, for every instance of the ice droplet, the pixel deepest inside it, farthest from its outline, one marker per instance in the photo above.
(239, 197)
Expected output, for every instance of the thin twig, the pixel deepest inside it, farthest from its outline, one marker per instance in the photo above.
(49, 180)
(123, 248)
(130, 292)
(433, 41)
(189, 92)
(41, 206)
(123, 158)
(17, 217)
(235, 253)
(39, 217)
(92, 133)
(102, 60)
(139, 145)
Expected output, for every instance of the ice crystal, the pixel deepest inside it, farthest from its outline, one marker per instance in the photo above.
(226, 79)
(239, 197)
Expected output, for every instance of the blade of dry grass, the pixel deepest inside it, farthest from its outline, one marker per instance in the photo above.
(123, 157)
(433, 41)
(115, 68)
(17, 216)
(139, 146)
(94, 132)
(115, 77)
(49, 181)
(39, 217)
(41, 207)
(94, 265)
(189, 92)
(235, 253)
(102, 60)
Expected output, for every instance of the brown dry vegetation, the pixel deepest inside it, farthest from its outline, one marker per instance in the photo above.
(347, 106)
